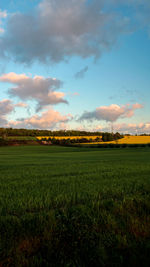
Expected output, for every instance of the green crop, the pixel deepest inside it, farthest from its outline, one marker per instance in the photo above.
(72, 206)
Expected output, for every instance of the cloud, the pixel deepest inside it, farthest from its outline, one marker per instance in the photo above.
(49, 119)
(137, 106)
(80, 74)
(125, 128)
(3, 15)
(6, 107)
(21, 105)
(133, 128)
(38, 88)
(57, 30)
(111, 113)
(142, 11)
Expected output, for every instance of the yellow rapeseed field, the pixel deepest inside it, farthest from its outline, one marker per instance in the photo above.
(131, 140)
(125, 140)
(68, 137)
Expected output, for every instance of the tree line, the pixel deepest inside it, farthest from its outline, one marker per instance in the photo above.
(66, 141)
(36, 132)
(104, 136)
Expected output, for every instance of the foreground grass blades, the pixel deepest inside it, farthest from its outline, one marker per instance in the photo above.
(69, 206)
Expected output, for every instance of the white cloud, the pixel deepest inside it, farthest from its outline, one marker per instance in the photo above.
(111, 113)
(38, 88)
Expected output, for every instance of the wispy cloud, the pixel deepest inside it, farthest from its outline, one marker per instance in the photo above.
(80, 74)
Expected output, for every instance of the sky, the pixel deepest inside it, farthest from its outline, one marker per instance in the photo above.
(75, 64)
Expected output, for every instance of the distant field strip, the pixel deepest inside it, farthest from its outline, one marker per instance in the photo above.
(125, 140)
(68, 137)
(20, 138)
(131, 140)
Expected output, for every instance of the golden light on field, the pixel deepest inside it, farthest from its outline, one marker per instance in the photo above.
(124, 140)
(131, 140)
(68, 137)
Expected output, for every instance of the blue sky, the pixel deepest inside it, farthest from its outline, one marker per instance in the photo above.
(75, 66)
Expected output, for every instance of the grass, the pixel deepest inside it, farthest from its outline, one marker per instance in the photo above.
(71, 206)
(9, 138)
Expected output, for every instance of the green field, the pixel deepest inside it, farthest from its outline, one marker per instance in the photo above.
(26, 138)
(69, 206)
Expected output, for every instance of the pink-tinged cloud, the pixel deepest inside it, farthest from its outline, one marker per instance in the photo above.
(13, 77)
(47, 120)
(42, 90)
(6, 108)
(137, 106)
(21, 105)
(111, 113)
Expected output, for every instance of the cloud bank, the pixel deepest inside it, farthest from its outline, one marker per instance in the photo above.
(111, 113)
(49, 119)
(131, 128)
(40, 89)
(57, 30)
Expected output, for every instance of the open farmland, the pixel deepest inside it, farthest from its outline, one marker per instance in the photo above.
(68, 137)
(70, 206)
(125, 140)
(128, 140)
(132, 140)
(20, 138)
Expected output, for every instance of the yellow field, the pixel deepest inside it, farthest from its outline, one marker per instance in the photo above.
(67, 137)
(131, 140)
(125, 140)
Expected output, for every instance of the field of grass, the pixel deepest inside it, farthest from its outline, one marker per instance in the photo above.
(71, 206)
(9, 138)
